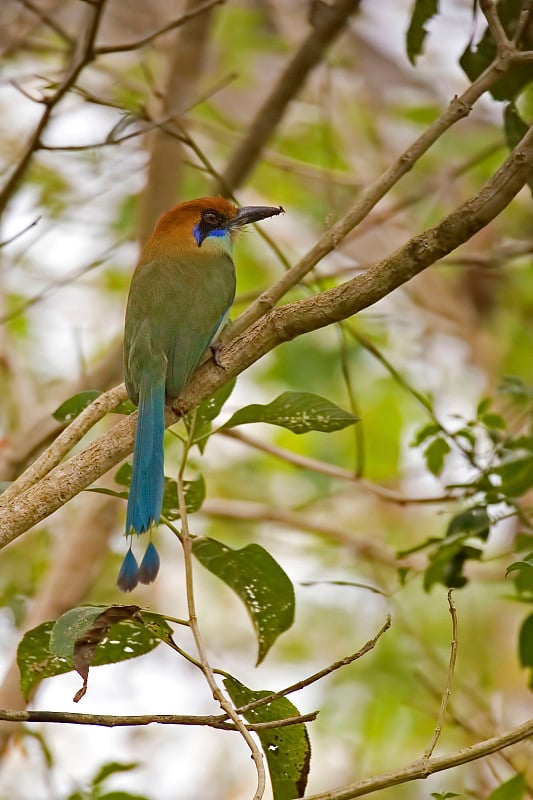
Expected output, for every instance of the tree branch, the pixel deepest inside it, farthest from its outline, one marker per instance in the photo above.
(66, 441)
(423, 769)
(289, 83)
(280, 325)
(130, 720)
(458, 108)
(171, 26)
(83, 56)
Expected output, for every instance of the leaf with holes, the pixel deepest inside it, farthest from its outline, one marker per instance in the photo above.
(258, 580)
(95, 635)
(35, 661)
(287, 749)
(299, 412)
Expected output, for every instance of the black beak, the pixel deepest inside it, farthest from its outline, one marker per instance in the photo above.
(249, 214)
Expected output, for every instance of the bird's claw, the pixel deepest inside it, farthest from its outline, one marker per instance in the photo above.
(215, 350)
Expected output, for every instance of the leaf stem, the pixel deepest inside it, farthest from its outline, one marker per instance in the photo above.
(205, 666)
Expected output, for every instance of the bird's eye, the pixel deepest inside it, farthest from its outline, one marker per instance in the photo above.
(211, 217)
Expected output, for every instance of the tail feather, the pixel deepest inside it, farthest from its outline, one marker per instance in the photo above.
(149, 566)
(145, 497)
(148, 477)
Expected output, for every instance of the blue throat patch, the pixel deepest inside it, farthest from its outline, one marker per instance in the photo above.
(200, 234)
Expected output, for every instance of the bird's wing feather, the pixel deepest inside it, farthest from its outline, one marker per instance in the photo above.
(175, 310)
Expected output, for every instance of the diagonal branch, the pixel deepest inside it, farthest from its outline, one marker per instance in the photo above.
(458, 108)
(423, 769)
(289, 83)
(280, 325)
(170, 26)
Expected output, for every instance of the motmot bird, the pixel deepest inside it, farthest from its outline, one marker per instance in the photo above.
(179, 298)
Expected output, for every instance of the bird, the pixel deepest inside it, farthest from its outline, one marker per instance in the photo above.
(180, 295)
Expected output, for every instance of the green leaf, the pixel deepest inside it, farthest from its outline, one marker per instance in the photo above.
(475, 61)
(424, 433)
(70, 626)
(126, 407)
(446, 565)
(123, 474)
(435, 453)
(423, 11)
(194, 492)
(525, 642)
(514, 126)
(287, 749)
(258, 580)
(516, 476)
(111, 768)
(70, 409)
(109, 492)
(515, 387)
(300, 412)
(444, 795)
(132, 632)
(513, 789)
(483, 406)
(473, 521)
(206, 412)
(492, 420)
(526, 564)
(50, 648)
(35, 661)
(515, 129)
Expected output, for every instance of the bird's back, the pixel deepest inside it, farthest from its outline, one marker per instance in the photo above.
(175, 307)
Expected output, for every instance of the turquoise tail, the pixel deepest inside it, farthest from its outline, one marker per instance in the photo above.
(145, 497)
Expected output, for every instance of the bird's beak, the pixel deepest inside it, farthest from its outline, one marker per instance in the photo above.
(249, 214)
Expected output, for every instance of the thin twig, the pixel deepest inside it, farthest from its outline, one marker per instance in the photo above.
(448, 687)
(67, 280)
(131, 720)
(82, 57)
(322, 673)
(19, 234)
(313, 464)
(522, 23)
(359, 438)
(206, 668)
(287, 86)
(496, 28)
(170, 26)
(365, 547)
(281, 325)
(459, 107)
(66, 440)
(49, 21)
(423, 769)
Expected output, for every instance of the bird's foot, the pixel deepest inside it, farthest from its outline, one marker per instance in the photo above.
(215, 350)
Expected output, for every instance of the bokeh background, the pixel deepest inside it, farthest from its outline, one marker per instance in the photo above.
(139, 131)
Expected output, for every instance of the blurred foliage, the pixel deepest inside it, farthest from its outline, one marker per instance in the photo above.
(451, 336)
